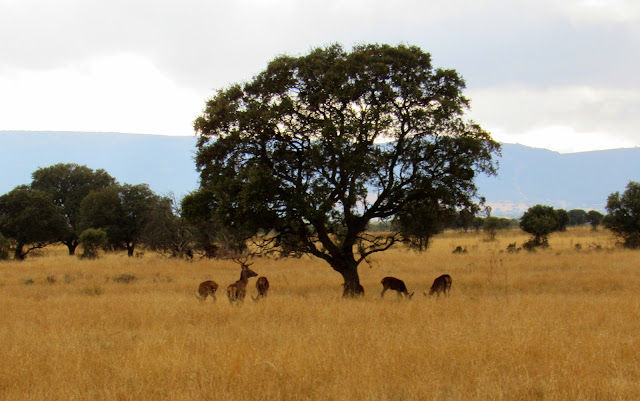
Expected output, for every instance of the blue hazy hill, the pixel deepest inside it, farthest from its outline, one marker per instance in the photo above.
(526, 176)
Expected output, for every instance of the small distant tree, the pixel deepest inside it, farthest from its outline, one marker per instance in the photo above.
(623, 216)
(420, 222)
(92, 240)
(539, 221)
(491, 225)
(577, 217)
(30, 219)
(562, 220)
(594, 218)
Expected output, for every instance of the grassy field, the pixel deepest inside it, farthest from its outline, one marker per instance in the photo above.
(559, 324)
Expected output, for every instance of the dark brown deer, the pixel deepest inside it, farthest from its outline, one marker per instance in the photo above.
(262, 285)
(207, 288)
(238, 290)
(392, 283)
(441, 284)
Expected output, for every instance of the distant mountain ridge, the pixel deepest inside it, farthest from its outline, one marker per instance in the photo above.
(526, 176)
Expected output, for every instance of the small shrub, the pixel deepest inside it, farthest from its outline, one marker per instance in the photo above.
(123, 278)
(92, 291)
(28, 281)
(459, 250)
(92, 240)
(512, 248)
(578, 247)
(51, 279)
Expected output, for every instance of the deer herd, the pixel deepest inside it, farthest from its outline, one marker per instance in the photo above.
(238, 290)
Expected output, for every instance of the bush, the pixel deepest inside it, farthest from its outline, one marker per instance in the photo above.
(124, 278)
(92, 240)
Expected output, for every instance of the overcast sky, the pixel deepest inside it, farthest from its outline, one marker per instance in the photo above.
(558, 74)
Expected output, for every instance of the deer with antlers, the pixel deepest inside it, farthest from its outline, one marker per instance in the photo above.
(441, 284)
(207, 288)
(262, 285)
(392, 283)
(238, 290)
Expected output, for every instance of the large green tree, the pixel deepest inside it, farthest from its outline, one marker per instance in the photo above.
(315, 147)
(122, 211)
(30, 219)
(68, 184)
(623, 215)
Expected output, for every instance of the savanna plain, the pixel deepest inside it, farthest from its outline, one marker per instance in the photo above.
(557, 324)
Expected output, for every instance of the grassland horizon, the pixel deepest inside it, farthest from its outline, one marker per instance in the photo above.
(557, 324)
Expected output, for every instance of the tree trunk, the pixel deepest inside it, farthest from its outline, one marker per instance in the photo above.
(352, 287)
(19, 252)
(72, 245)
(131, 247)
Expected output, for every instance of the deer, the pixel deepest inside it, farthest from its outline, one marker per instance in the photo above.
(262, 285)
(238, 290)
(207, 288)
(441, 284)
(392, 283)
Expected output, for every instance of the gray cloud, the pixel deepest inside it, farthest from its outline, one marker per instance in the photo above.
(547, 47)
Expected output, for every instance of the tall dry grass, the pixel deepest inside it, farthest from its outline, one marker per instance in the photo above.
(559, 324)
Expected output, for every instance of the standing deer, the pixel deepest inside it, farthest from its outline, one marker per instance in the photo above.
(392, 283)
(207, 288)
(238, 290)
(441, 284)
(262, 285)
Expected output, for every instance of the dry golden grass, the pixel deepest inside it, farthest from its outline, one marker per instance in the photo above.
(552, 325)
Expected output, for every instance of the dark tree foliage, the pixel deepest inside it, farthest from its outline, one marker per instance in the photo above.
(30, 219)
(540, 221)
(623, 216)
(167, 232)
(577, 217)
(419, 222)
(562, 219)
(68, 184)
(315, 147)
(594, 218)
(216, 233)
(122, 211)
(491, 225)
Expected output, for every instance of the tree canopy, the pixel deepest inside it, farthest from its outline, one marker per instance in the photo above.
(540, 221)
(30, 219)
(315, 147)
(68, 184)
(122, 211)
(623, 217)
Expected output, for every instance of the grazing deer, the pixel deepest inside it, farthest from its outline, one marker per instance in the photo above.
(238, 290)
(392, 283)
(262, 285)
(441, 284)
(207, 288)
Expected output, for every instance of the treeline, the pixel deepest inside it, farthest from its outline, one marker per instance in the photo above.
(75, 205)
